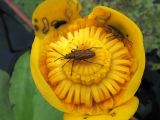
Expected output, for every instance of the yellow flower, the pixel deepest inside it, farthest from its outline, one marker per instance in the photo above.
(91, 67)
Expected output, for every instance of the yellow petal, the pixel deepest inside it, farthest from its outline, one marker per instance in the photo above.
(122, 112)
(130, 29)
(39, 80)
(93, 96)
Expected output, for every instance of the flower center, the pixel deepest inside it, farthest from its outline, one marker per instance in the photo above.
(90, 61)
(87, 68)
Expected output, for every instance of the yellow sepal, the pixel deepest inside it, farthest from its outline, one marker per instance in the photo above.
(51, 11)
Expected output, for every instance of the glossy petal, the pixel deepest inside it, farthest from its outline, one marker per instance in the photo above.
(122, 112)
(39, 80)
(134, 35)
(111, 85)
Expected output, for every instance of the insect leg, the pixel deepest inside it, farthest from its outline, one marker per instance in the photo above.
(93, 62)
(111, 37)
(66, 63)
(72, 67)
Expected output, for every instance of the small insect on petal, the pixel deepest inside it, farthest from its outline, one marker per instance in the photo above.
(46, 25)
(57, 24)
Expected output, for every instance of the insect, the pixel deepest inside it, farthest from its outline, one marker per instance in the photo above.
(57, 24)
(118, 34)
(46, 25)
(78, 55)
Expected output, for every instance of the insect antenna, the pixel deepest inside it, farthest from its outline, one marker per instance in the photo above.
(58, 59)
(93, 62)
(58, 52)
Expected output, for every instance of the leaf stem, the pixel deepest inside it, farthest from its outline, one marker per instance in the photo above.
(19, 13)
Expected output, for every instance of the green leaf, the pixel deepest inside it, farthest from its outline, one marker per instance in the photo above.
(27, 6)
(26, 99)
(155, 66)
(6, 112)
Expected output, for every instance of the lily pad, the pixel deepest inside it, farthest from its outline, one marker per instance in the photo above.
(26, 100)
(6, 112)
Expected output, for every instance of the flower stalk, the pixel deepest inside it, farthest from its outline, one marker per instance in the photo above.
(23, 17)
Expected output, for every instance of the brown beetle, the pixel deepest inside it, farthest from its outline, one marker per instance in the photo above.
(78, 55)
(116, 33)
(119, 35)
(57, 24)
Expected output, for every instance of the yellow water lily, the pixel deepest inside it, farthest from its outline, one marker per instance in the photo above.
(88, 67)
